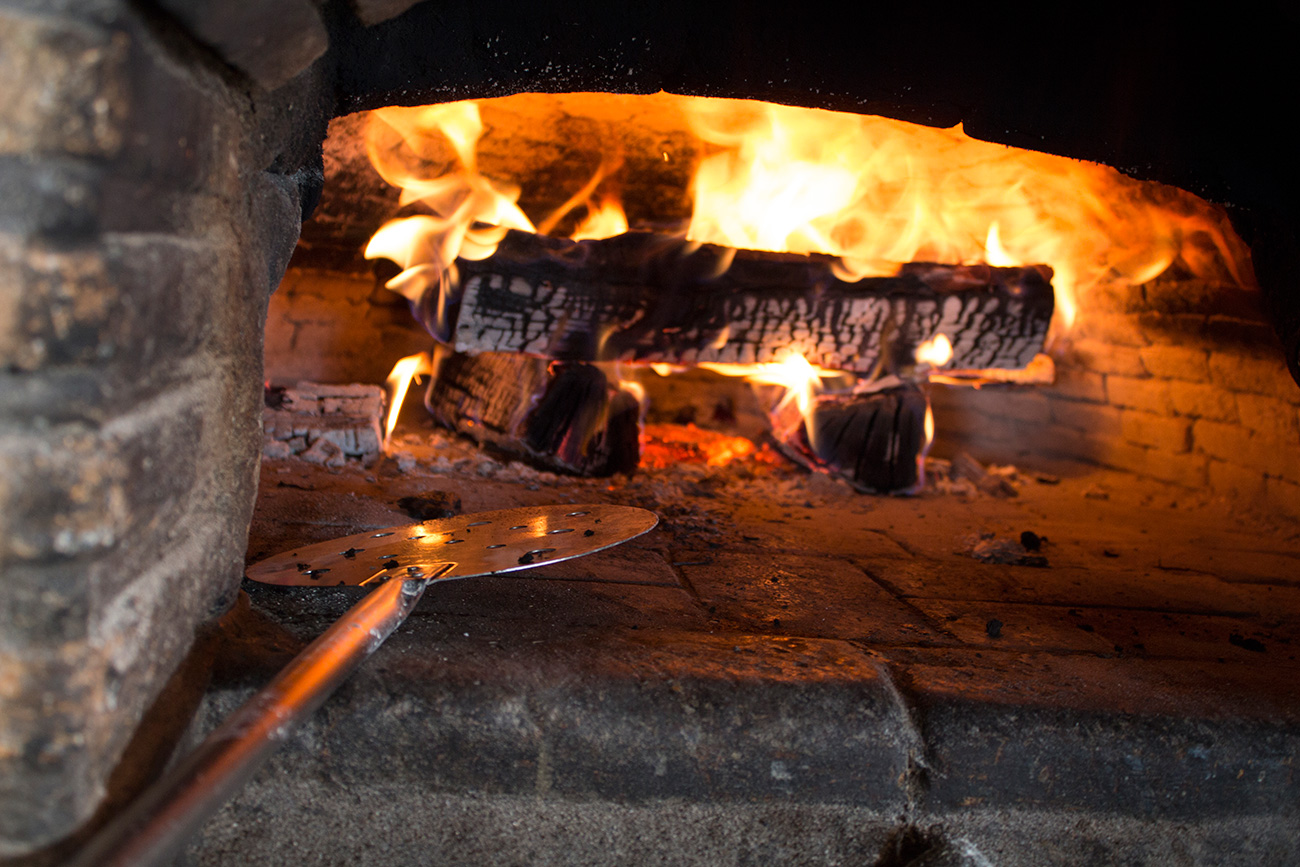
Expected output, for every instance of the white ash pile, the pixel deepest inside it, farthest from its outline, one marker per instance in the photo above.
(324, 424)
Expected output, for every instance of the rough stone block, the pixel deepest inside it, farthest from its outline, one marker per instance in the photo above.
(1236, 481)
(1177, 362)
(50, 196)
(1022, 405)
(1271, 418)
(1283, 495)
(269, 41)
(806, 596)
(142, 302)
(1114, 328)
(1239, 445)
(1188, 470)
(1069, 746)
(1150, 395)
(1198, 400)
(65, 86)
(68, 712)
(1078, 384)
(1169, 434)
(1096, 355)
(1256, 374)
(1098, 419)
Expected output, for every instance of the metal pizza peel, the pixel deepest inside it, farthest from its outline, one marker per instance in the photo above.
(399, 563)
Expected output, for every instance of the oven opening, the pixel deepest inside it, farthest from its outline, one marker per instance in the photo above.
(977, 467)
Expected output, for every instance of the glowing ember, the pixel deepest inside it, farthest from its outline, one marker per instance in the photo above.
(936, 352)
(399, 381)
(667, 445)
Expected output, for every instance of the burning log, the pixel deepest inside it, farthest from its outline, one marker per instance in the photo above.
(648, 298)
(873, 441)
(562, 415)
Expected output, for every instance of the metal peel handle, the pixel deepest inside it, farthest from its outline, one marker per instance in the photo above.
(160, 822)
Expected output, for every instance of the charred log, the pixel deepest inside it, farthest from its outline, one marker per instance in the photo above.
(648, 298)
(873, 441)
(564, 416)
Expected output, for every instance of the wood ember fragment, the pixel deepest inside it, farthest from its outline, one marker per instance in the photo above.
(991, 548)
(648, 298)
(873, 441)
(324, 424)
(562, 415)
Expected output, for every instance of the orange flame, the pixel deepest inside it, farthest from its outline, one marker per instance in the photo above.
(872, 191)
(470, 212)
(605, 219)
(399, 382)
(880, 192)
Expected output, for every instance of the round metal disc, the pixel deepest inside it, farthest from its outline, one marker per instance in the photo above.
(488, 543)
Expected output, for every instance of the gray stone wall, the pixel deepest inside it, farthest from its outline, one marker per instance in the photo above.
(145, 216)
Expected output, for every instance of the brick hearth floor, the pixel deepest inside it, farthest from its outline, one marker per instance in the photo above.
(786, 671)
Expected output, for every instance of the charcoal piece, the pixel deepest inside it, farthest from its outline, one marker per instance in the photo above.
(564, 416)
(430, 505)
(873, 441)
(649, 298)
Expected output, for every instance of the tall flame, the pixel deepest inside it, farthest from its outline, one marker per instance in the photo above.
(399, 382)
(879, 192)
(471, 213)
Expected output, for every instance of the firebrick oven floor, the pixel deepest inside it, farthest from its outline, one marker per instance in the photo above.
(786, 671)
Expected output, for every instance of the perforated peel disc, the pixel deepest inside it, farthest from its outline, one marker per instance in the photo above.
(487, 543)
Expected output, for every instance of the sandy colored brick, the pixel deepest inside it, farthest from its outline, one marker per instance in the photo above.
(1097, 419)
(1017, 405)
(1151, 395)
(1188, 470)
(65, 87)
(1177, 362)
(1236, 481)
(1255, 374)
(1114, 328)
(1239, 445)
(1080, 384)
(1202, 400)
(1283, 495)
(1170, 434)
(1271, 418)
(1103, 357)
(1056, 440)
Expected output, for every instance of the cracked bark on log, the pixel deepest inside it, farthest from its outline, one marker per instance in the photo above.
(648, 298)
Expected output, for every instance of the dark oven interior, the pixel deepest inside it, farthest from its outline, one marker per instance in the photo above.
(159, 160)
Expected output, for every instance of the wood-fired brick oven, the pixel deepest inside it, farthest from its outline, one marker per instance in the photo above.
(158, 159)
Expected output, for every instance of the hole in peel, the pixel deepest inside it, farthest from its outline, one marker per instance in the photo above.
(519, 527)
(497, 545)
(454, 541)
(380, 535)
(479, 524)
(414, 538)
(558, 532)
(576, 514)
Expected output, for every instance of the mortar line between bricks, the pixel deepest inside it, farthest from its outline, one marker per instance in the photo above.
(685, 582)
(917, 758)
